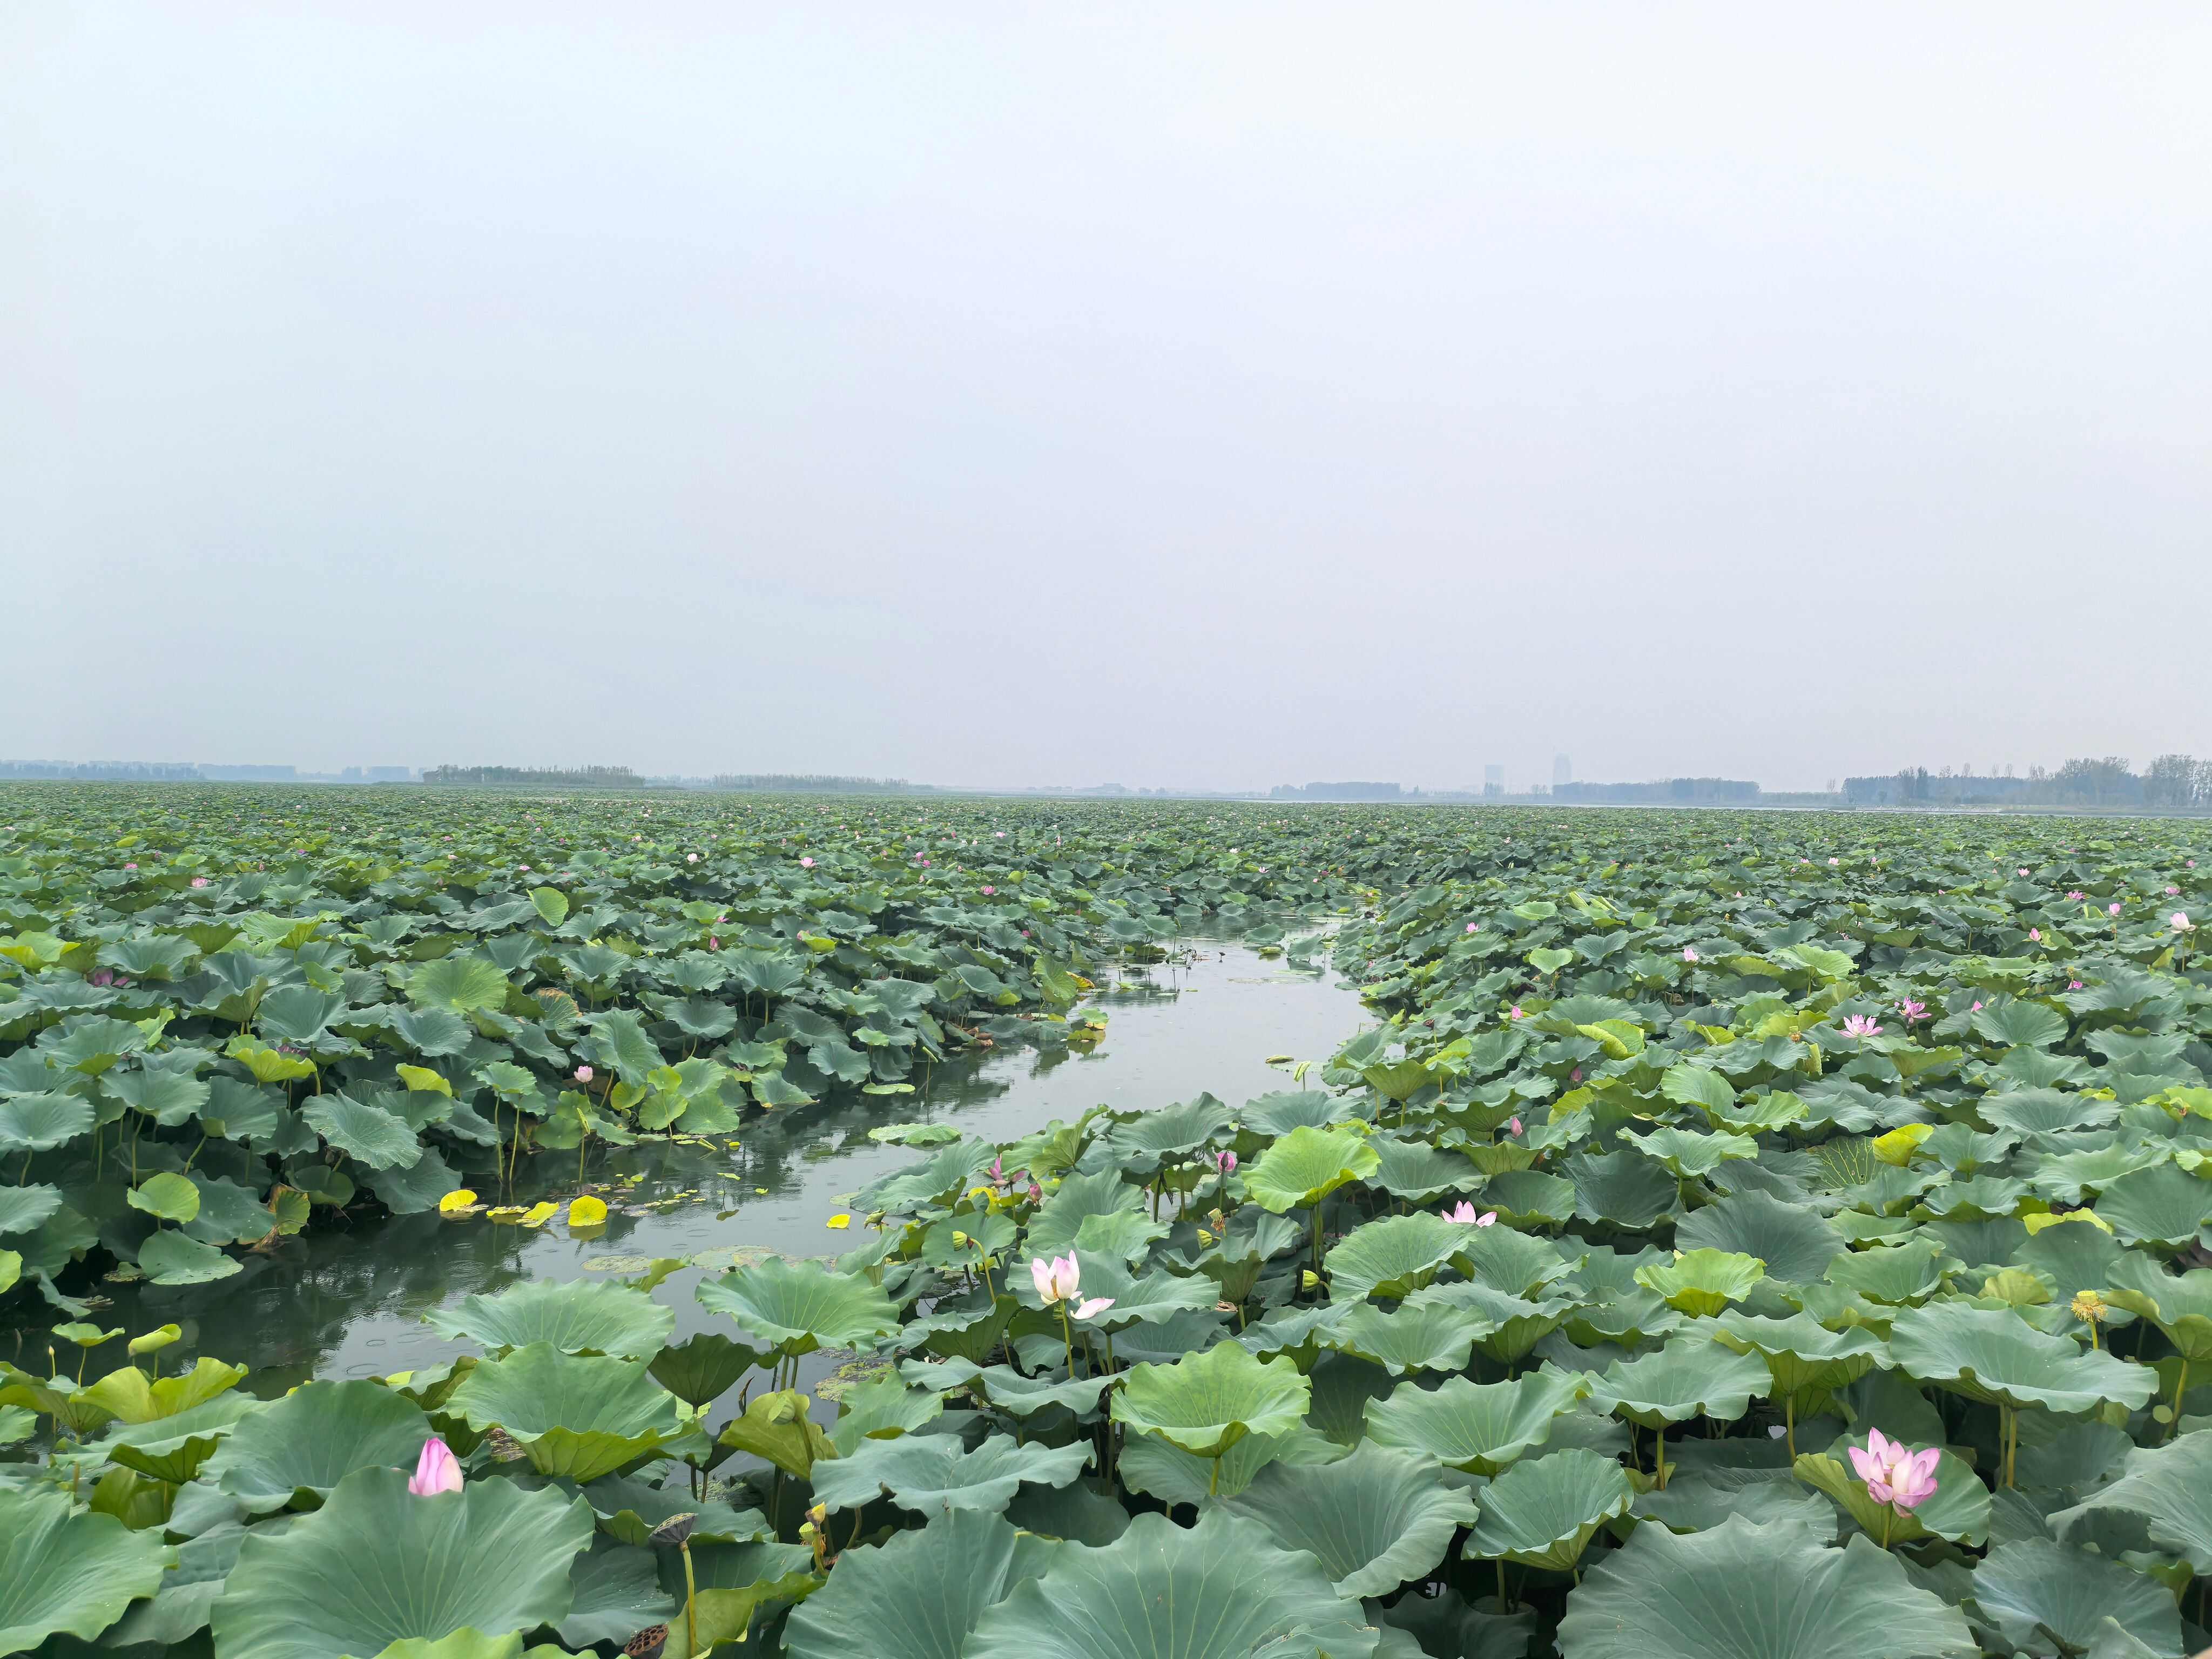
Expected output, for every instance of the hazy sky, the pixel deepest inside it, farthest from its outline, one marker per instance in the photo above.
(1191, 395)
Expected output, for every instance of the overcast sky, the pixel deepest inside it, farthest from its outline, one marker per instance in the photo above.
(1201, 395)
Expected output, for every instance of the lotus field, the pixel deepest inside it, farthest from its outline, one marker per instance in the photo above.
(1732, 1236)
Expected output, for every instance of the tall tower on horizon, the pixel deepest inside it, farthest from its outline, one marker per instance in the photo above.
(1563, 770)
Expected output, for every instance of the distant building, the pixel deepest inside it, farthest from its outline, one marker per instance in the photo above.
(1563, 771)
(1687, 791)
(1336, 791)
(250, 774)
(1493, 780)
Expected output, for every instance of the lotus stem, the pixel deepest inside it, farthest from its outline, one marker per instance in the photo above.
(2180, 1388)
(690, 1602)
(1789, 1424)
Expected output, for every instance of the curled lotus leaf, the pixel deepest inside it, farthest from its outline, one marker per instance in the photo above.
(1791, 1241)
(919, 1594)
(1431, 1336)
(1479, 1427)
(1393, 1256)
(1689, 1377)
(1747, 1590)
(1306, 1166)
(935, 1472)
(1993, 1355)
(2170, 1487)
(573, 1414)
(1221, 1589)
(295, 1451)
(2035, 1589)
(1802, 1355)
(1374, 1518)
(2180, 1304)
(1206, 1402)
(797, 1307)
(1543, 1511)
(1702, 1282)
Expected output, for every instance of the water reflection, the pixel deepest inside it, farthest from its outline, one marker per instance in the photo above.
(348, 1302)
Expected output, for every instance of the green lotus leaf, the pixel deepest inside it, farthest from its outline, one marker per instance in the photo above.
(1147, 1137)
(1010, 1391)
(22, 1208)
(1795, 1243)
(1517, 1264)
(2032, 1589)
(40, 1122)
(702, 1368)
(1896, 1274)
(777, 1428)
(918, 1595)
(1806, 1360)
(1479, 1427)
(1222, 1589)
(1394, 1256)
(1702, 1282)
(1959, 1512)
(376, 1565)
(2170, 1488)
(1431, 1336)
(1414, 1171)
(1149, 1464)
(295, 1449)
(170, 1258)
(379, 1139)
(1516, 1324)
(2017, 1025)
(166, 1197)
(1529, 1197)
(2180, 1305)
(172, 1448)
(616, 1593)
(1306, 1166)
(800, 1306)
(462, 983)
(579, 1316)
(129, 1394)
(1697, 1086)
(628, 1510)
(67, 1574)
(1374, 1518)
(2164, 1205)
(1147, 1299)
(1206, 1402)
(1746, 1590)
(1622, 1189)
(1703, 1499)
(1994, 1356)
(1543, 1511)
(1688, 1377)
(1690, 1155)
(885, 1408)
(573, 1414)
(933, 1473)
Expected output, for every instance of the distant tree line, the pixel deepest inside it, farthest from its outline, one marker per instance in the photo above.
(817, 783)
(557, 777)
(2171, 780)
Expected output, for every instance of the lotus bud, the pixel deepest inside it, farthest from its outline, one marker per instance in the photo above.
(1309, 1280)
(436, 1471)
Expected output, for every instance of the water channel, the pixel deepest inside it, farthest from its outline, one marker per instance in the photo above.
(348, 1302)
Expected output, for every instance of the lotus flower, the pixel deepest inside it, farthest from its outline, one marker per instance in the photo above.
(1896, 1474)
(199, 881)
(1513, 1126)
(806, 864)
(1835, 860)
(1464, 1214)
(1475, 927)
(2023, 869)
(1689, 953)
(1859, 1025)
(2073, 984)
(2113, 909)
(2182, 923)
(691, 858)
(130, 866)
(1093, 1307)
(2076, 896)
(2172, 893)
(989, 892)
(1516, 1011)
(435, 1470)
(1225, 1163)
(2035, 935)
(1057, 1279)
(584, 1074)
(1912, 1010)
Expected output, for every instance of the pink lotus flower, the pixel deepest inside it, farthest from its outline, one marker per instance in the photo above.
(1859, 1025)
(1976, 1009)
(1689, 953)
(1575, 1076)
(1912, 1010)
(1895, 1474)
(2170, 891)
(1835, 860)
(1225, 1163)
(2073, 984)
(808, 864)
(1475, 927)
(435, 1470)
(2076, 896)
(1093, 1307)
(2182, 923)
(691, 858)
(130, 866)
(2023, 869)
(714, 943)
(524, 868)
(199, 881)
(989, 892)
(1056, 1280)
(2035, 935)
(2113, 909)
(1464, 1214)
(584, 1074)
(996, 834)
(1513, 1126)
(1515, 1014)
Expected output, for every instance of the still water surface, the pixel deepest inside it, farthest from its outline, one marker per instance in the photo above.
(350, 1302)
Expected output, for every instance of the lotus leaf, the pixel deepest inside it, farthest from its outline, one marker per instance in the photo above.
(800, 1306)
(579, 1316)
(1306, 1166)
(1702, 1282)
(1995, 1357)
(1374, 1519)
(918, 1595)
(376, 1565)
(2033, 1589)
(295, 1449)
(1479, 1427)
(63, 1573)
(933, 1473)
(1207, 1401)
(1688, 1377)
(2170, 1487)
(575, 1415)
(1543, 1511)
(1393, 1256)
